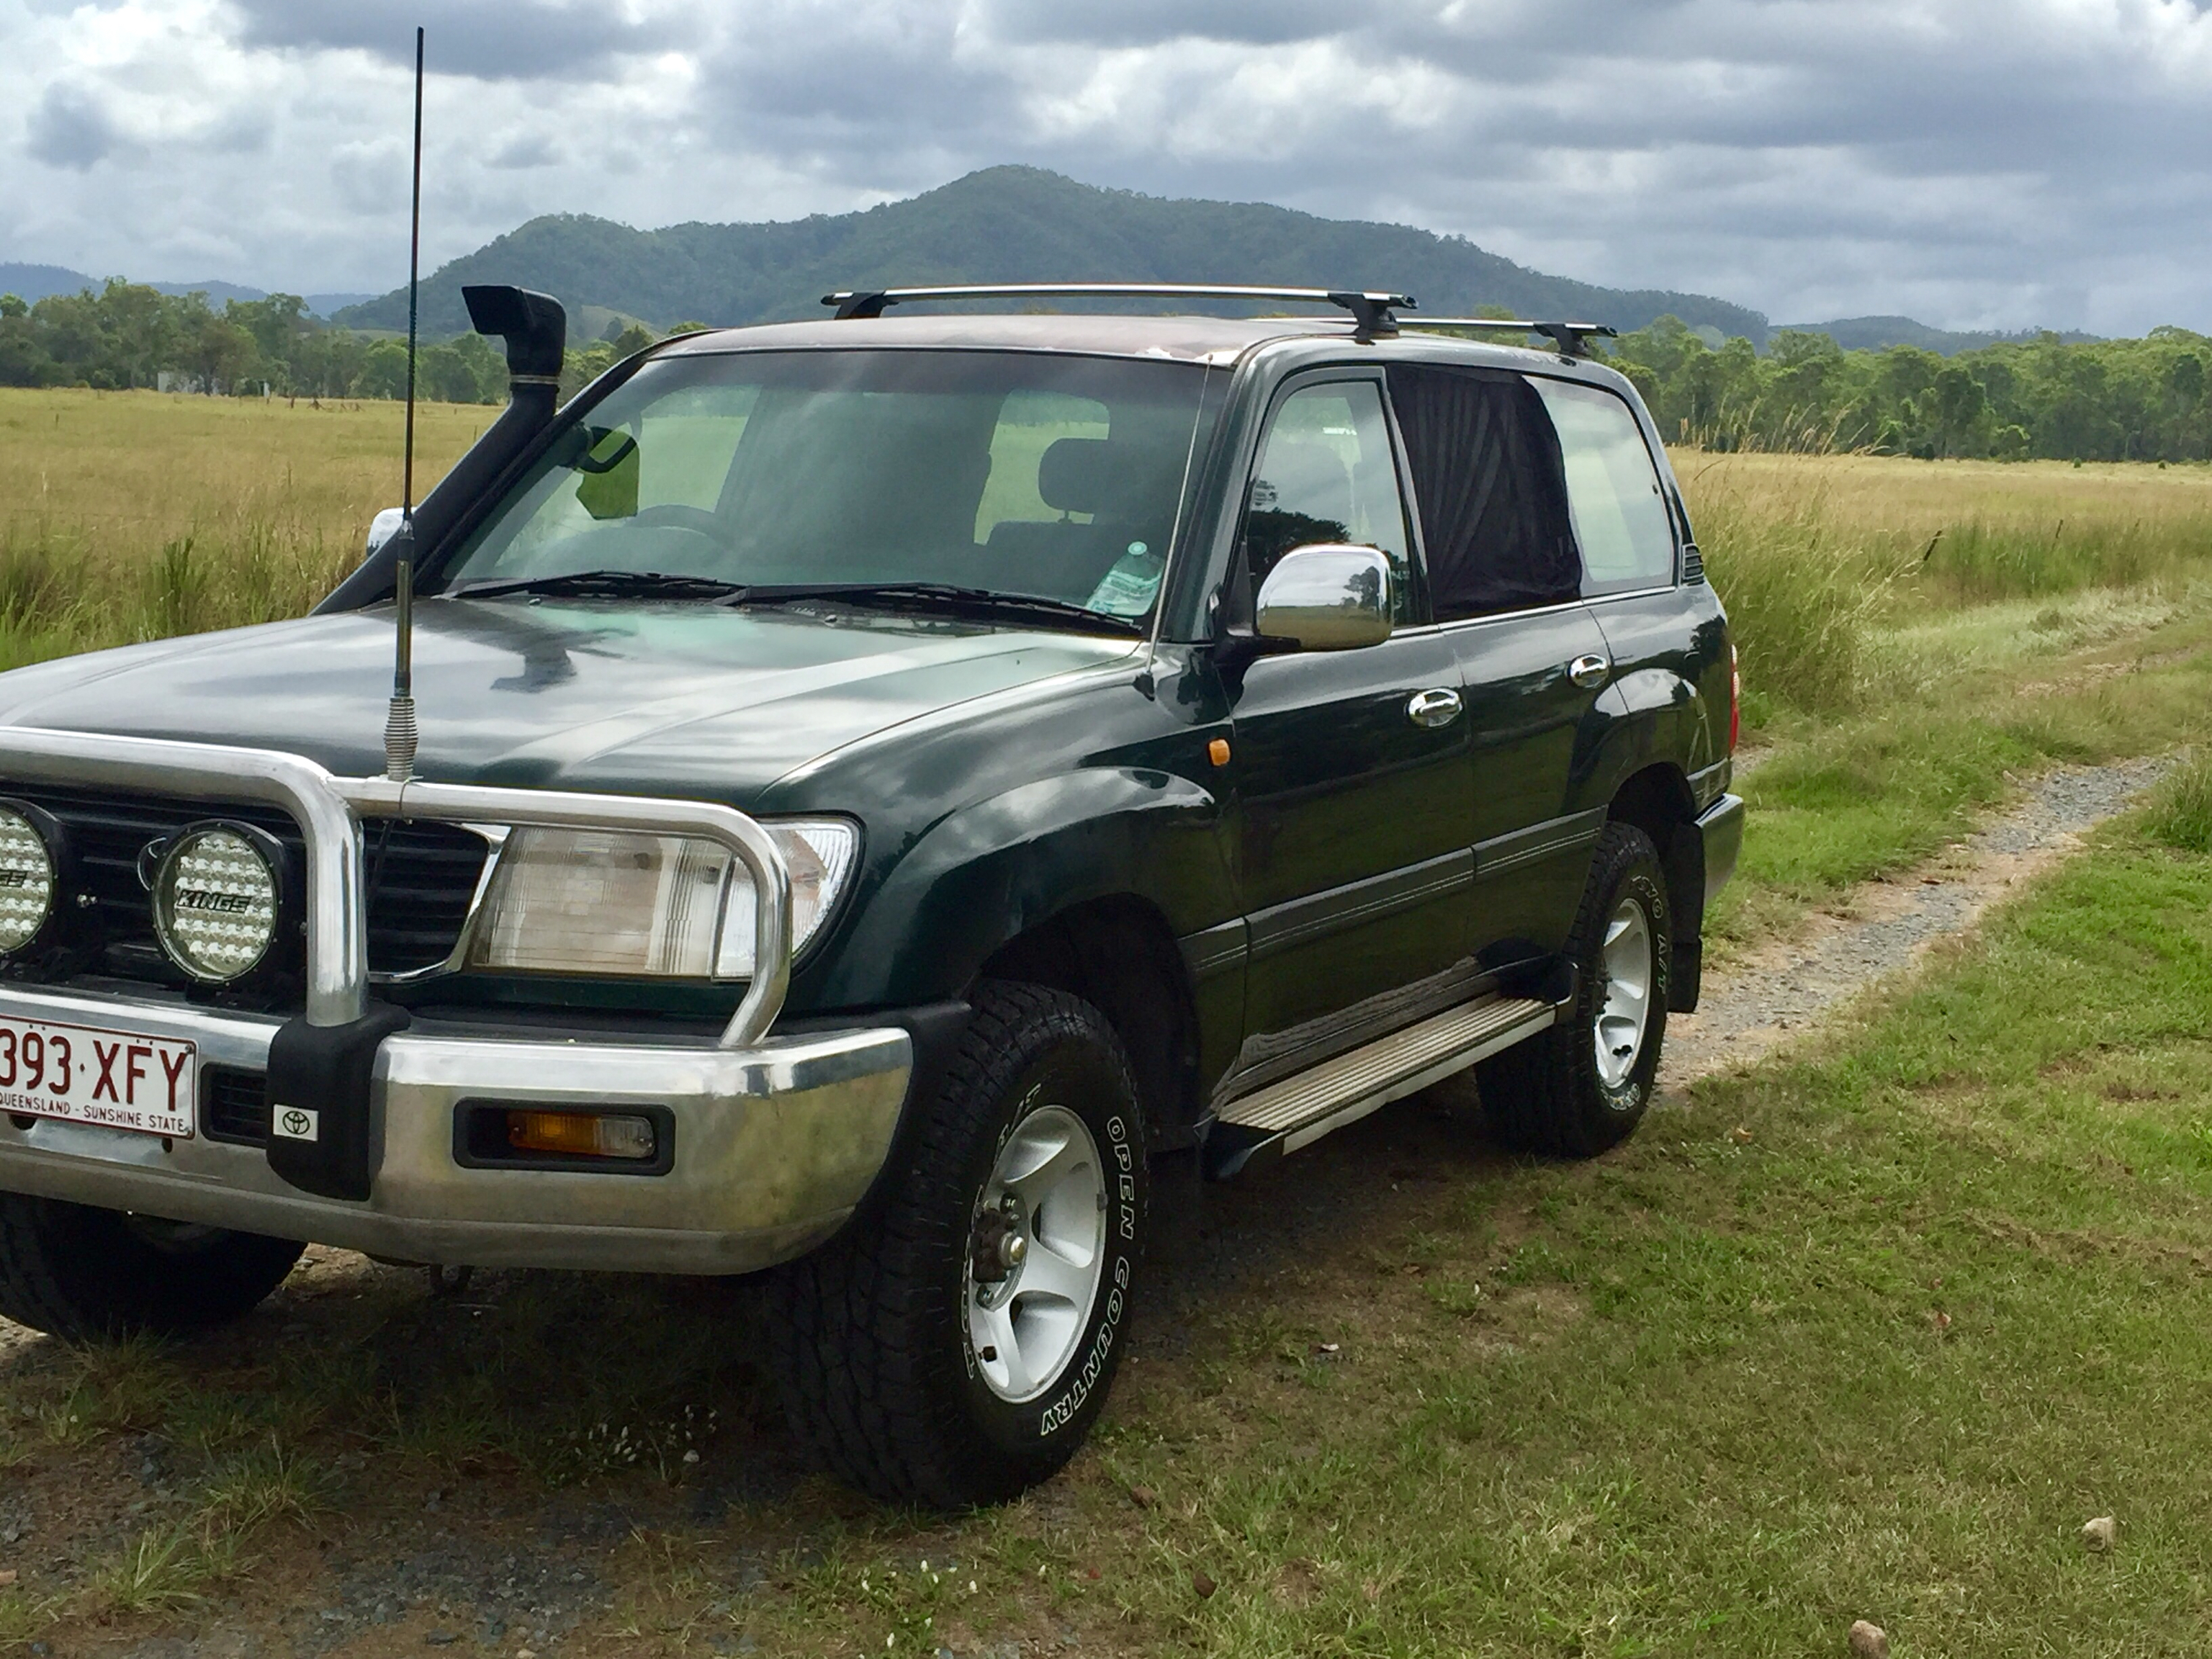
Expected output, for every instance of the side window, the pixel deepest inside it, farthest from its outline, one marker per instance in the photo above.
(1326, 474)
(1492, 494)
(1620, 516)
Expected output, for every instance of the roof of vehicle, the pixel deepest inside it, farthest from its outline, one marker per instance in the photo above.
(1185, 337)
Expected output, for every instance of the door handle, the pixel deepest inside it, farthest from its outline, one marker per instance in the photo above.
(1589, 672)
(1436, 707)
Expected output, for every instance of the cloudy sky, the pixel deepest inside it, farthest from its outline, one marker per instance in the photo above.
(1971, 162)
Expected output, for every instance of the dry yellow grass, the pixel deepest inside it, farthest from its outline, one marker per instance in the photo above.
(133, 470)
(1896, 495)
(125, 515)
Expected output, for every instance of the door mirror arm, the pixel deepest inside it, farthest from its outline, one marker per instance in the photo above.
(1236, 643)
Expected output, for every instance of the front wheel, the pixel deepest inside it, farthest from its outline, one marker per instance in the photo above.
(79, 1272)
(954, 1345)
(1584, 1086)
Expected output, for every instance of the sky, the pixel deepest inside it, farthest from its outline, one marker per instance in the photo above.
(1973, 163)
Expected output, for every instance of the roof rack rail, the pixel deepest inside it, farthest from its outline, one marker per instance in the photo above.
(1372, 313)
(1570, 338)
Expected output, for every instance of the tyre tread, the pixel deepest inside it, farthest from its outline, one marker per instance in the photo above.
(842, 1320)
(1533, 1095)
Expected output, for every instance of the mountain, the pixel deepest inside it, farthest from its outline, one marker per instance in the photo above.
(37, 282)
(1877, 333)
(1010, 224)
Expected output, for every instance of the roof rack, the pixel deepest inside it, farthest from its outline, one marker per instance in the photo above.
(1570, 338)
(1370, 312)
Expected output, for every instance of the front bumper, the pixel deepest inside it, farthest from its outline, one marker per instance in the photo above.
(775, 1144)
(775, 1140)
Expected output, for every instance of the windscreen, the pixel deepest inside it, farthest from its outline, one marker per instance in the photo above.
(1024, 473)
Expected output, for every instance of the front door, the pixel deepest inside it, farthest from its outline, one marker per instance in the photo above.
(1353, 812)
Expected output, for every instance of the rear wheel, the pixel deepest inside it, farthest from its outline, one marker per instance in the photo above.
(1585, 1084)
(954, 1345)
(80, 1273)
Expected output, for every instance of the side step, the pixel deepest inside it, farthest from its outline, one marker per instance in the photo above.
(1299, 1110)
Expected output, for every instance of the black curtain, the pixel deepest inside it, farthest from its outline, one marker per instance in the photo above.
(1492, 487)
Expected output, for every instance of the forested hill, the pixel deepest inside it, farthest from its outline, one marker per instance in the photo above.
(1010, 224)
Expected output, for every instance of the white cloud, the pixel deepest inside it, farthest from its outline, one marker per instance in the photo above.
(1982, 162)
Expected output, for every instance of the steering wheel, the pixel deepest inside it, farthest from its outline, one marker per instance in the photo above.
(676, 515)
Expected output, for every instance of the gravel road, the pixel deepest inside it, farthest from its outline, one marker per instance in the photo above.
(1883, 925)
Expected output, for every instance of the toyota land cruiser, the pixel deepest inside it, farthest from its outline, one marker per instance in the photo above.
(894, 794)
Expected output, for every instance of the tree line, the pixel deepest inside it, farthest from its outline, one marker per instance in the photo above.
(2044, 398)
(130, 336)
(2104, 400)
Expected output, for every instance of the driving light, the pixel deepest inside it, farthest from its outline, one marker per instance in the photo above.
(217, 898)
(26, 881)
(616, 904)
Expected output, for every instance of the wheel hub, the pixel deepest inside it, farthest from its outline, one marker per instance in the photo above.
(1036, 1253)
(1624, 1010)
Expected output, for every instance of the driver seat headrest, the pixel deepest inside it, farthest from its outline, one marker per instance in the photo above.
(1079, 475)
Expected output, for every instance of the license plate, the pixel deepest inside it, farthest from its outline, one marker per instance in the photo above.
(84, 1074)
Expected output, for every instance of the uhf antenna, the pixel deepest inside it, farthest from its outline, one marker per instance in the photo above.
(399, 732)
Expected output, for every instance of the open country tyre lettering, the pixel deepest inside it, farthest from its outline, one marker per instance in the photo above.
(953, 1346)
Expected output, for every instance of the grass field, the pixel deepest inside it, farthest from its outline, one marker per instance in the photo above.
(1867, 1332)
(129, 515)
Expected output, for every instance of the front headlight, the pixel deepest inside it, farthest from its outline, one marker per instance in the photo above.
(612, 903)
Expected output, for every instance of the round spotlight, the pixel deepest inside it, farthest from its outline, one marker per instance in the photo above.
(26, 881)
(217, 897)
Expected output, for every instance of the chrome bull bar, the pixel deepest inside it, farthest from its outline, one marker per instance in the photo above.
(329, 810)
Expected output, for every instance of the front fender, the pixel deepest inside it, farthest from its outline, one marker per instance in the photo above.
(994, 869)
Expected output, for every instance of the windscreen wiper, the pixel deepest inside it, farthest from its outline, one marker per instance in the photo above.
(936, 595)
(606, 585)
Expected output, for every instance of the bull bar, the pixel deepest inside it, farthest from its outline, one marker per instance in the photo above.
(775, 1139)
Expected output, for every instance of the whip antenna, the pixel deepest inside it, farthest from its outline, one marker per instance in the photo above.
(399, 732)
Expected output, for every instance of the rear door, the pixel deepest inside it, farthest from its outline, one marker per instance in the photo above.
(1505, 581)
(1663, 636)
(1353, 812)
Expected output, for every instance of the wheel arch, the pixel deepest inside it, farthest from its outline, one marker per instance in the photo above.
(1118, 952)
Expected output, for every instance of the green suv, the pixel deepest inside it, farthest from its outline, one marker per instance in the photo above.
(899, 800)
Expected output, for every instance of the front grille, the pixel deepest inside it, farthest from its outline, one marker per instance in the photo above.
(421, 876)
(234, 1105)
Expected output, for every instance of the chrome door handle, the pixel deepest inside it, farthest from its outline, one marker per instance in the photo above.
(1433, 707)
(1589, 672)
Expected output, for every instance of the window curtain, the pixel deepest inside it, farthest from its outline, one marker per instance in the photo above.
(1492, 489)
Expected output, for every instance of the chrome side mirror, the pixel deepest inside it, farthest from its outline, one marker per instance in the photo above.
(381, 529)
(1325, 598)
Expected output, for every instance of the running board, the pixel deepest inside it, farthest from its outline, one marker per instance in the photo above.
(1299, 1110)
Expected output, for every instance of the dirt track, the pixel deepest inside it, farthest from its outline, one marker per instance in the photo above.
(1883, 925)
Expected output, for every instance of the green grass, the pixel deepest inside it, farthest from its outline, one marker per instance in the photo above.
(1868, 1334)
(2180, 815)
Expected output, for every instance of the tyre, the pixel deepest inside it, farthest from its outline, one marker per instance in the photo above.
(953, 1345)
(80, 1273)
(1584, 1086)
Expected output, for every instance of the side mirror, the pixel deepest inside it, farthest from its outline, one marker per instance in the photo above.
(382, 528)
(1325, 598)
